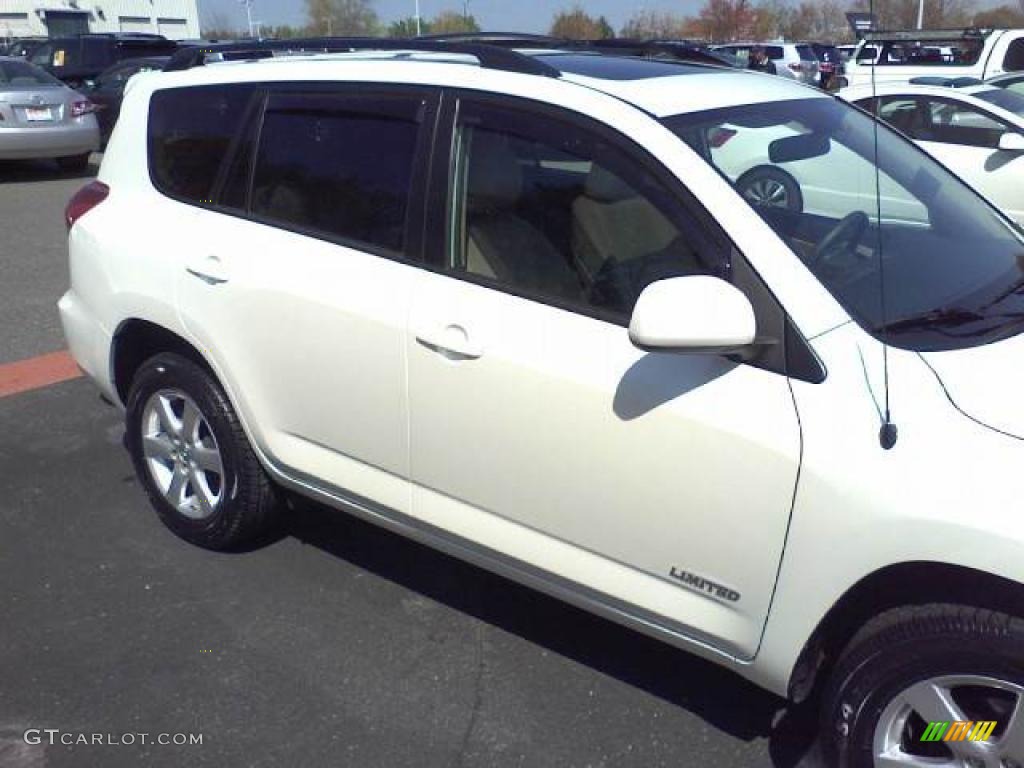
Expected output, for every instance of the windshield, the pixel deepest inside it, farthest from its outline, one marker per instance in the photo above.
(19, 74)
(1008, 100)
(952, 264)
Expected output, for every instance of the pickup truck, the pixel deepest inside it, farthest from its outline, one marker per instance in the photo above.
(899, 57)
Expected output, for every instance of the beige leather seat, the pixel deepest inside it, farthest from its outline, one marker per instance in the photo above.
(500, 243)
(612, 222)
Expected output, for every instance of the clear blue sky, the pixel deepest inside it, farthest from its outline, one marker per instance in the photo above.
(501, 15)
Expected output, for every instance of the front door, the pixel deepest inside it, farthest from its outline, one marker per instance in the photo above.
(658, 483)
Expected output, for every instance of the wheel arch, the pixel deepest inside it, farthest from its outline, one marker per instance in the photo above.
(135, 341)
(900, 584)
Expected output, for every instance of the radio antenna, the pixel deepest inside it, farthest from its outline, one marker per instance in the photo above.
(888, 432)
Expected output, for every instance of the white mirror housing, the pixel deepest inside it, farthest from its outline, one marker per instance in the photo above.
(1011, 142)
(695, 314)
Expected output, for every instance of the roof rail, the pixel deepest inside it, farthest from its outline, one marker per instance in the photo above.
(489, 56)
(504, 39)
(915, 35)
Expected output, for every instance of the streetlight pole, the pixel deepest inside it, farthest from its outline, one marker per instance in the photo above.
(419, 29)
(920, 14)
(248, 13)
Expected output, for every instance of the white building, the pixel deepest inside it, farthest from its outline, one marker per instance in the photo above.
(176, 19)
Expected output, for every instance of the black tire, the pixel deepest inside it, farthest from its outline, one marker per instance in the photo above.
(74, 163)
(247, 507)
(747, 185)
(909, 645)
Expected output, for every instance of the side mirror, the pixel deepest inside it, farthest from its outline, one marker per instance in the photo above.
(1011, 142)
(696, 314)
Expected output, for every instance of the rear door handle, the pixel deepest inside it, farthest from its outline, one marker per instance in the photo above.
(451, 341)
(210, 271)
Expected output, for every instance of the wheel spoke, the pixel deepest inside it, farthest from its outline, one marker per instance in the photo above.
(190, 421)
(208, 459)
(1012, 743)
(201, 492)
(158, 447)
(934, 702)
(176, 490)
(168, 421)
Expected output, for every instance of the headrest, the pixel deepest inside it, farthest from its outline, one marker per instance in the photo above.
(495, 178)
(604, 186)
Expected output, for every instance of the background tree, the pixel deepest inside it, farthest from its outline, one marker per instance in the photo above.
(1003, 17)
(645, 25)
(407, 27)
(341, 17)
(725, 20)
(576, 24)
(453, 22)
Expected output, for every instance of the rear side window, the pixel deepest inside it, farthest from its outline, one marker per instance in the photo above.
(1014, 61)
(338, 165)
(190, 132)
(774, 52)
(806, 53)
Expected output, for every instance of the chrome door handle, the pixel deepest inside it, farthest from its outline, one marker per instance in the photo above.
(208, 279)
(451, 341)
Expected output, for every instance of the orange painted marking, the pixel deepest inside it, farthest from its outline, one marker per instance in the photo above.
(37, 372)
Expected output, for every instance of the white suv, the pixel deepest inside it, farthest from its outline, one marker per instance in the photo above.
(509, 306)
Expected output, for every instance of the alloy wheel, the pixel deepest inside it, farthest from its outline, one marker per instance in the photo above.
(181, 454)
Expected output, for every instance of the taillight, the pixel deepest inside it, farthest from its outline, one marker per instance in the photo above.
(718, 136)
(796, 67)
(79, 108)
(85, 199)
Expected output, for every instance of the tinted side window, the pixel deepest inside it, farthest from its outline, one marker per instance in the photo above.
(1014, 61)
(190, 131)
(340, 165)
(548, 211)
(956, 123)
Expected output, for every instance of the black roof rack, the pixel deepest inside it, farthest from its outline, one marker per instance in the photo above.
(923, 35)
(505, 39)
(489, 56)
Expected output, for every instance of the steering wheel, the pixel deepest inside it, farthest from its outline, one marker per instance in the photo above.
(842, 240)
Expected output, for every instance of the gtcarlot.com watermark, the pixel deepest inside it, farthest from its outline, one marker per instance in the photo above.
(55, 736)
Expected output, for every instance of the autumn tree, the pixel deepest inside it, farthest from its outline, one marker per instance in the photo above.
(407, 27)
(576, 24)
(1002, 17)
(453, 22)
(648, 25)
(341, 17)
(725, 20)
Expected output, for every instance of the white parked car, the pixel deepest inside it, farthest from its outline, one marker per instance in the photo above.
(793, 60)
(899, 57)
(977, 131)
(511, 306)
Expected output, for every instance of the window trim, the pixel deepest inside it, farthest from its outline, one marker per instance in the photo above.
(791, 356)
(252, 126)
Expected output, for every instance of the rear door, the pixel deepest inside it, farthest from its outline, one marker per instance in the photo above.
(297, 284)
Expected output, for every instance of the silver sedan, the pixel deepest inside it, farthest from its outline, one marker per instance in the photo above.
(40, 117)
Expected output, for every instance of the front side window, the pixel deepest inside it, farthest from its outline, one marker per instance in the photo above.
(953, 267)
(548, 211)
(190, 132)
(954, 122)
(339, 165)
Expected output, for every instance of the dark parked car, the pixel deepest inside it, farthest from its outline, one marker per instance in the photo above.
(77, 59)
(21, 47)
(830, 66)
(107, 90)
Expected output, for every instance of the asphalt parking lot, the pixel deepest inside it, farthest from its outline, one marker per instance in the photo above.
(337, 644)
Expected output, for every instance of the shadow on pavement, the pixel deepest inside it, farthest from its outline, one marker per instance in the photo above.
(718, 696)
(15, 171)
